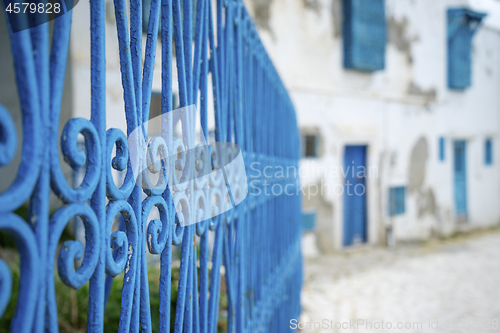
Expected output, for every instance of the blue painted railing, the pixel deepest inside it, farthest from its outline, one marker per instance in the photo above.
(257, 243)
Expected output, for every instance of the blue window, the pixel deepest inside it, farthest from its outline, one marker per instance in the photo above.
(397, 200)
(488, 152)
(462, 24)
(364, 31)
(308, 221)
(441, 149)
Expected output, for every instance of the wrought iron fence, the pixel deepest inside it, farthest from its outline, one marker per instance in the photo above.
(254, 247)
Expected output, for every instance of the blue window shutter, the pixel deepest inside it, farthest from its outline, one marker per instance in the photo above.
(364, 32)
(488, 152)
(441, 148)
(308, 221)
(462, 24)
(397, 200)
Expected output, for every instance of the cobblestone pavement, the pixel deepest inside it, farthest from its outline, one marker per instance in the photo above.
(450, 286)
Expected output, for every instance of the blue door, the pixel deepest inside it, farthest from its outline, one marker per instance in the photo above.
(354, 195)
(459, 175)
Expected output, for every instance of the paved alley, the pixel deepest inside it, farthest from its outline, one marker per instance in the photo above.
(442, 286)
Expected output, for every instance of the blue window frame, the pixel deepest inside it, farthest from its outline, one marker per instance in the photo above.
(488, 152)
(397, 200)
(441, 148)
(364, 33)
(308, 221)
(462, 24)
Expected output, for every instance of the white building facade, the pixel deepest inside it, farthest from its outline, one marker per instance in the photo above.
(430, 152)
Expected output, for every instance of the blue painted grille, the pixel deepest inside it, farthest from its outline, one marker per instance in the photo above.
(257, 243)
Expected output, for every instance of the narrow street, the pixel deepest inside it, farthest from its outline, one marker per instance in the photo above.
(440, 286)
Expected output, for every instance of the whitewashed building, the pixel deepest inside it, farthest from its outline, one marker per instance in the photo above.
(432, 150)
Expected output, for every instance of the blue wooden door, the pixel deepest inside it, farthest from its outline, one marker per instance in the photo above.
(354, 195)
(460, 179)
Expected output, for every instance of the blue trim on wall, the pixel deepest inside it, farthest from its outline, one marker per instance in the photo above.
(441, 149)
(488, 152)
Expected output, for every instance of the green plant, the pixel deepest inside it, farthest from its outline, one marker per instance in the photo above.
(72, 305)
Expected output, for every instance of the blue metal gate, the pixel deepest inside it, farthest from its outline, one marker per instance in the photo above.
(354, 195)
(257, 243)
(460, 179)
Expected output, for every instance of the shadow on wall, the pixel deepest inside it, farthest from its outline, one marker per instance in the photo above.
(426, 202)
(262, 14)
